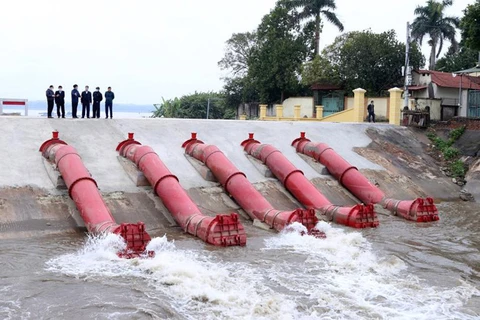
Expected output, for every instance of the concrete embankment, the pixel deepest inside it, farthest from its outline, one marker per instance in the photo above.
(392, 157)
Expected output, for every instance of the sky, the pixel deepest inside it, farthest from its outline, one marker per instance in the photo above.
(149, 49)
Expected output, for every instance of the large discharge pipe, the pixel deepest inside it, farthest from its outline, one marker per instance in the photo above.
(419, 210)
(83, 190)
(358, 216)
(222, 230)
(244, 193)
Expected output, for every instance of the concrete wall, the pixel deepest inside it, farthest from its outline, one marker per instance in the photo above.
(434, 104)
(306, 104)
(349, 103)
(422, 79)
(381, 105)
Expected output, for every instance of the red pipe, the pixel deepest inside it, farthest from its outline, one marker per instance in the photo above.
(244, 193)
(420, 210)
(359, 216)
(83, 190)
(223, 230)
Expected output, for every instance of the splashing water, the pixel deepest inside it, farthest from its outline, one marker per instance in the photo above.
(198, 286)
(343, 279)
(306, 278)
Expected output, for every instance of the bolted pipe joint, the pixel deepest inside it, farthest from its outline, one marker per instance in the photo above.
(359, 216)
(222, 230)
(418, 210)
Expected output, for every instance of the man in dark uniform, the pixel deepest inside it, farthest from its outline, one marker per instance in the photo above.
(97, 98)
(86, 99)
(75, 97)
(50, 98)
(60, 101)
(371, 112)
(109, 96)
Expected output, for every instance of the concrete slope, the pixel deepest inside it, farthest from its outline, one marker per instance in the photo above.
(96, 140)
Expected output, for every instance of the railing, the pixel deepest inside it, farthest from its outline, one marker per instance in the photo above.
(13, 102)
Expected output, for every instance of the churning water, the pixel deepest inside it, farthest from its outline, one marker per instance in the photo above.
(398, 271)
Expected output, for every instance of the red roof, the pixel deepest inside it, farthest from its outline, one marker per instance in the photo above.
(447, 80)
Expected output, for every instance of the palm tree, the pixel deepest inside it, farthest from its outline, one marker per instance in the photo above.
(315, 9)
(431, 20)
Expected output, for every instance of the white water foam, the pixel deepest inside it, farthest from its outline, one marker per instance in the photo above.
(199, 287)
(335, 278)
(343, 279)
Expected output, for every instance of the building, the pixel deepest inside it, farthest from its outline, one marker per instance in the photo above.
(452, 94)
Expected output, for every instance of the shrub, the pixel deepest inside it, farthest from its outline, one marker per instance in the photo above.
(431, 135)
(455, 134)
(450, 153)
(457, 168)
(440, 144)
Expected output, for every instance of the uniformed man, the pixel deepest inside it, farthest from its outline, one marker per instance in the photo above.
(109, 96)
(97, 98)
(75, 97)
(86, 99)
(60, 101)
(50, 99)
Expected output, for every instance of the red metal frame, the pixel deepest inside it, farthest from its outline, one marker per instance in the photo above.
(83, 190)
(419, 210)
(244, 193)
(359, 216)
(222, 230)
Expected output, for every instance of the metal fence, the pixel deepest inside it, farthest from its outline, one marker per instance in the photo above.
(473, 104)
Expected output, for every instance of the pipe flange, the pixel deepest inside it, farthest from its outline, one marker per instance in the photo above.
(190, 220)
(198, 223)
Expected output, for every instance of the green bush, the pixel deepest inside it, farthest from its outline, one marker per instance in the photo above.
(450, 153)
(431, 135)
(455, 134)
(457, 168)
(440, 144)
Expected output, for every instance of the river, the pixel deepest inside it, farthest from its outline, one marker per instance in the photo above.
(400, 270)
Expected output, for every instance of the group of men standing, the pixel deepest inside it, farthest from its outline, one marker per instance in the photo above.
(86, 98)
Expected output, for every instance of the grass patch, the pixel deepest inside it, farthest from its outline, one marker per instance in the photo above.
(457, 168)
(450, 153)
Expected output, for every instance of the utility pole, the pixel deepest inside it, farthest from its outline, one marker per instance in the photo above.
(208, 107)
(407, 68)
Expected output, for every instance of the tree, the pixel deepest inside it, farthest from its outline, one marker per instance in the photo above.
(315, 10)
(456, 60)
(195, 106)
(319, 71)
(431, 20)
(237, 53)
(470, 26)
(238, 91)
(167, 109)
(275, 63)
(372, 61)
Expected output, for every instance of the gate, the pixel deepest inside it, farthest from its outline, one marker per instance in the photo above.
(473, 104)
(332, 103)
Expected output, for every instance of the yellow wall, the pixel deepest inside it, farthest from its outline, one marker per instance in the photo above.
(306, 104)
(381, 105)
(342, 116)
